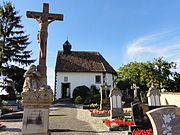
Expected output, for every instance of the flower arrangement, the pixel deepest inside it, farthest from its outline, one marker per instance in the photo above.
(96, 111)
(6, 110)
(90, 106)
(115, 123)
(142, 132)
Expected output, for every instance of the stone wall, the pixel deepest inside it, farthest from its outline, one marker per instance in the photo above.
(170, 98)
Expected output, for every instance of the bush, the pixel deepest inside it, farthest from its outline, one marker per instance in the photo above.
(94, 89)
(6, 110)
(78, 100)
(82, 91)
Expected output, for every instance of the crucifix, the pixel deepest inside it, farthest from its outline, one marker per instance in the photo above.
(135, 87)
(44, 19)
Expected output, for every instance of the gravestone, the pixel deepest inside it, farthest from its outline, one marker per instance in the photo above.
(37, 95)
(139, 115)
(165, 121)
(116, 103)
(153, 96)
(136, 97)
(104, 92)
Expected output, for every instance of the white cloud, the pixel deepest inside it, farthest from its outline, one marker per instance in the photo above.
(166, 44)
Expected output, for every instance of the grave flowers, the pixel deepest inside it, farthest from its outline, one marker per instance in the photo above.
(118, 125)
(90, 106)
(142, 132)
(99, 113)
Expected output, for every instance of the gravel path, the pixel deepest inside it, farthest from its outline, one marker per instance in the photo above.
(66, 119)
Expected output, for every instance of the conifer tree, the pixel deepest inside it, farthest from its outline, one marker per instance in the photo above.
(13, 41)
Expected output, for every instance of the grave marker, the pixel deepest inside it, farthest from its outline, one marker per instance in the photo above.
(116, 103)
(153, 96)
(165, 121)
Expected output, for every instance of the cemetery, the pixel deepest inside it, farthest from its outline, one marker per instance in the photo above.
(130, 101)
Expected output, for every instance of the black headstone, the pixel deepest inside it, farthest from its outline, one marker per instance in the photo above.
(139, 115)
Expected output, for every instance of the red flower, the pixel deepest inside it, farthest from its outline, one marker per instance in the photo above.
(142, 132)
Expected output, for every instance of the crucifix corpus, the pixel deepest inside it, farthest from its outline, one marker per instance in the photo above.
(44, 19)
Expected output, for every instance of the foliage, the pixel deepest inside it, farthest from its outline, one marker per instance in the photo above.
(6, 110)
(94, 90)
(78, 100)
(4, 102)
(142, 73)
(13, 44)
(82, 91)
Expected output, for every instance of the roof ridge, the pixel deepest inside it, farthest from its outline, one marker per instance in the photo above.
(82, 51)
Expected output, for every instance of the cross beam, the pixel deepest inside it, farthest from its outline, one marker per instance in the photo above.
(45, 14)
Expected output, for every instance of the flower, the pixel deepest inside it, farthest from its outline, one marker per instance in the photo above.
(119, 122)
(142, 132)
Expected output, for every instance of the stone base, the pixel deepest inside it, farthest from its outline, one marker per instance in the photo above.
(116, 112)
(36, 111)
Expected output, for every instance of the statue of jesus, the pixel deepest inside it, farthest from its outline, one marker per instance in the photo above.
(43, 33)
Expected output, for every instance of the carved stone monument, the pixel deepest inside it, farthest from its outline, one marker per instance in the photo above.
(116, 103)
(44, 19)
(165, 120)
(37, 95)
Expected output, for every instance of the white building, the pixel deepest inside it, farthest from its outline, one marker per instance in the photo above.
(77, 68)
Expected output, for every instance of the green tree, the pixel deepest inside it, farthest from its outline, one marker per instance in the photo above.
(160, 72)
(13, 42)
(142, 73)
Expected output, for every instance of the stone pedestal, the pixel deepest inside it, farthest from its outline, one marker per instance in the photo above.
(36, 111)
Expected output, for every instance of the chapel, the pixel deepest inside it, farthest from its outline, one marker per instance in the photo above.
(77, 68)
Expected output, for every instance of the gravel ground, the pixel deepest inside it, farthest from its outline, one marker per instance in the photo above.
(66, 119)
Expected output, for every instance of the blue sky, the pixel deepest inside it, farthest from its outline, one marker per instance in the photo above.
(121, 30)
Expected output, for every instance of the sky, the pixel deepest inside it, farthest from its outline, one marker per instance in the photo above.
(121, 30)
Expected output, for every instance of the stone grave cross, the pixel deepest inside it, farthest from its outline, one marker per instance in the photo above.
(135, 88)
(44, 19)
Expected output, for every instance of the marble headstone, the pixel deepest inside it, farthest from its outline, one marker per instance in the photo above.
(153, 96)
(165, 121)
(116, 103)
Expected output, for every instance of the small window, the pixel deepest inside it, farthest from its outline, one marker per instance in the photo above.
(65, 79)
(98, 79)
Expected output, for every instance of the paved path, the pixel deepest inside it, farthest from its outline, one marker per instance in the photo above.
(63, 121)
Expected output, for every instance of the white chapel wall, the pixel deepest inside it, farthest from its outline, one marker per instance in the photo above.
(78, 79)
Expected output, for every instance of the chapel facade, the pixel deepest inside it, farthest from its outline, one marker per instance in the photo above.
(77, 68)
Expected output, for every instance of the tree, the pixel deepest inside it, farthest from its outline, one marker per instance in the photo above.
(142, 73)
(13, 43)
(159, 71)
(131, 73)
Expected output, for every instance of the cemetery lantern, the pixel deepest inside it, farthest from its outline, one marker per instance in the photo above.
(116, 103)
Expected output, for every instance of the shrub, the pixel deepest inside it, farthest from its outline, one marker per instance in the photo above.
(6, 110)
(78, 100)
(94, 89)
(82, 91)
